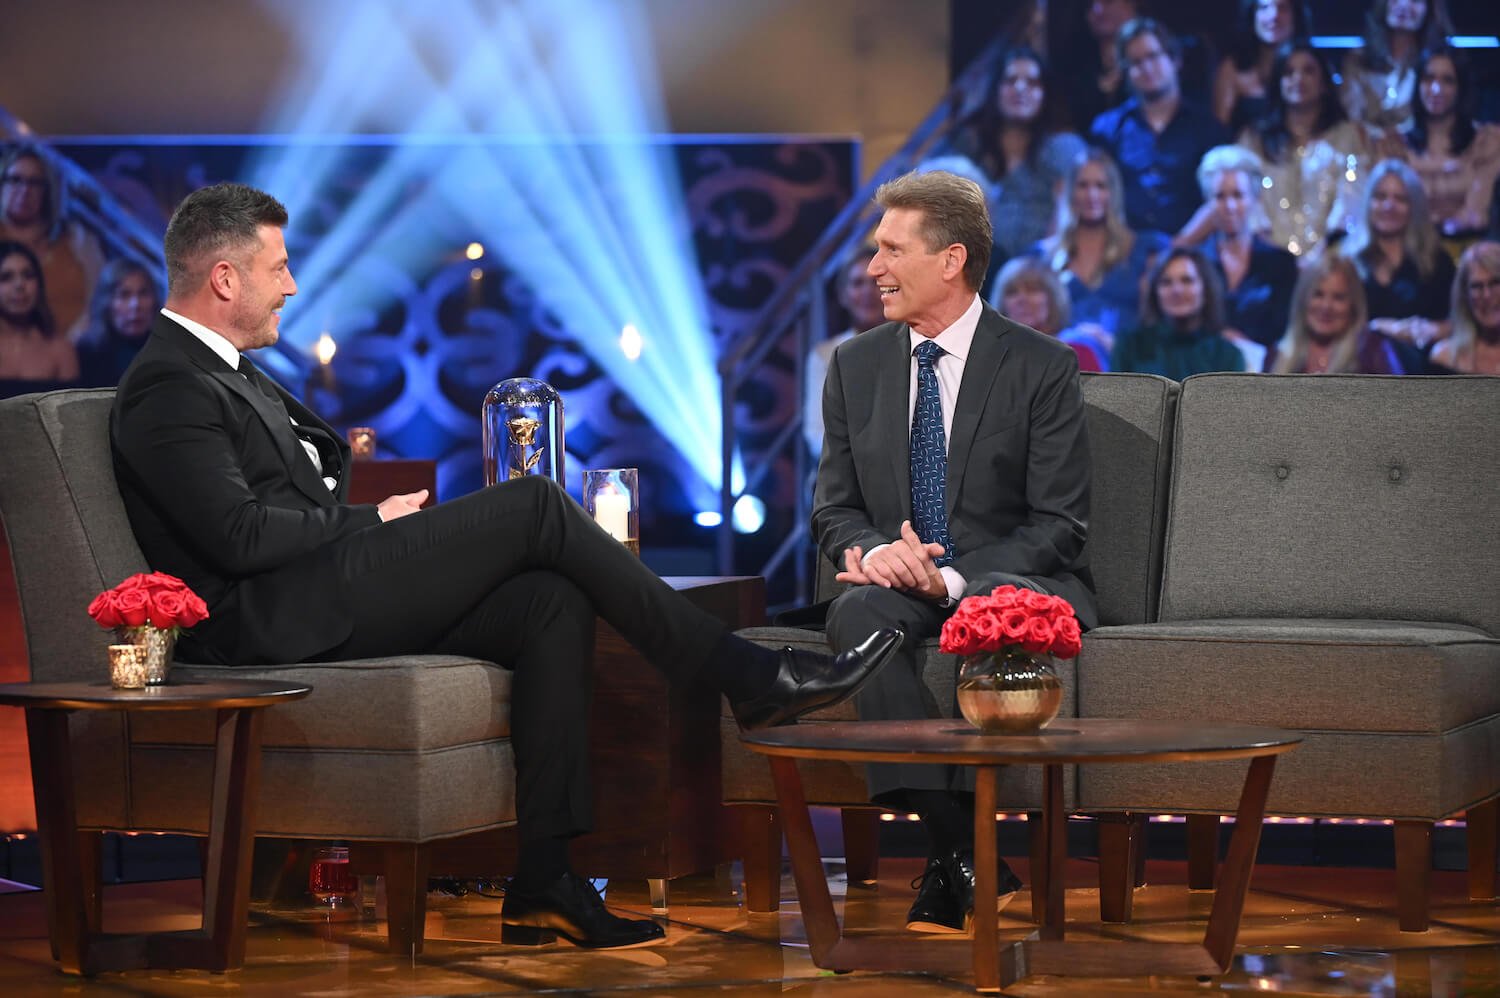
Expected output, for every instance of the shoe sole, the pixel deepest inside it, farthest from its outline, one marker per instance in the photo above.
(968, 929)
(513, 934)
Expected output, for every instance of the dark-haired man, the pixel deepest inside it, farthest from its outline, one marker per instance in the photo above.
(955, 460)
(238, 489)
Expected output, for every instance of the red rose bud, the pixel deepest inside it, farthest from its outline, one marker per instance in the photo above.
(1067, 638)
(103, 610)
(134, 607)
(1038, 635)
(168, 608)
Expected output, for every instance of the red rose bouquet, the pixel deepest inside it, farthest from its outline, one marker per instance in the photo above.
(157, 600)
(1012, 619)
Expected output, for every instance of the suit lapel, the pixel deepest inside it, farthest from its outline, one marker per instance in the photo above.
(892, 403)
(981, 375)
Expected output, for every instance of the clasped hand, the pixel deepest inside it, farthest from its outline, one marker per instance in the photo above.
(905, 563)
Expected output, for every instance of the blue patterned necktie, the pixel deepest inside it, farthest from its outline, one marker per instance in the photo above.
(929, 457)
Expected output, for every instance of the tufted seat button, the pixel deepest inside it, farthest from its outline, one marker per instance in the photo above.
(1282, 471)
(1395, 474)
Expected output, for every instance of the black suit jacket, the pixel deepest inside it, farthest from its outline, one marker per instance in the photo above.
(221, 494)
(1018, 461)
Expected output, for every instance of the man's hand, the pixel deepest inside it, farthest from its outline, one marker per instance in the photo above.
(905, 563)
(853, 572)
(398, 506)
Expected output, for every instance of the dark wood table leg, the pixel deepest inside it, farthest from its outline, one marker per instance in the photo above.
(807, 867)
(1055, 828)
(986, 882)
(1203, 850)
(1483, 838)
(1117, 845)
(57, 828)
(1234, 876)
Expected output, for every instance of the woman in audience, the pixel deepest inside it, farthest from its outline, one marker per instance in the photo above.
(1328, 332)
(1244, 76)
(31, 212)
(1025, 156)
(1381, 75)
(1095, 81)
(1257, 275)
(31, 349)
(1407, 277)
(1096, 256)
(1457, 160)
(1182, 320)
(124, 304)
(1029, 293)
(1314, 156)
(1474, 347)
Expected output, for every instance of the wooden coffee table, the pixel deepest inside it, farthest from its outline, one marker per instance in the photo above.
(70, 865)
(1068, 741)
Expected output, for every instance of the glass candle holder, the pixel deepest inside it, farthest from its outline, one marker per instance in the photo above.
(328, 878)
(523, 431)
(362, 442)
(612, 497)
(127, 667)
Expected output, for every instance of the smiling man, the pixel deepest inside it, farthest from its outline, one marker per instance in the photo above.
(234, 486)
(955, 460)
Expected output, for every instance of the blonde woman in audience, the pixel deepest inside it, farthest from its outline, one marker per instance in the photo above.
(31, 349)
(1380, 76)
(1474, 346)
(1329, 332)
(32, 212)
(1456, 158)
(1098, 258)
(1027, 292)
(1407, 276)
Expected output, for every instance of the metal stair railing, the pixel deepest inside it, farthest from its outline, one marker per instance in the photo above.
(799, 307)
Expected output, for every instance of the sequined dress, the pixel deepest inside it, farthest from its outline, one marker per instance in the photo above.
(1313, 188)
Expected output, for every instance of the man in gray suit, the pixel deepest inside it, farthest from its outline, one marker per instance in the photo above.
(955, 460)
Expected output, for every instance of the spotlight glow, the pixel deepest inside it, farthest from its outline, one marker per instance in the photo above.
(630, 342)
(474, 251)
(325, 348)
(748, 514)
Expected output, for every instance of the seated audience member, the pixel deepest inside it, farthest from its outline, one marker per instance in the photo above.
(32, 212)
(1257, 275)
(1408, 278)
(1315, 158)
(1380, 76)
(121, 311)
(1457, 159)
(1095, 81)
(860, 297)
(1474, 346)
(1025, 157)
(1182, 320)
(1244, 76)
(1028, 293)
(1329, 332)
(1157, 136)
(1095, 254)
(31, 348)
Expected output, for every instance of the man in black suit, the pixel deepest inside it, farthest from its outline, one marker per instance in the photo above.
(955, 460)
(234, 486)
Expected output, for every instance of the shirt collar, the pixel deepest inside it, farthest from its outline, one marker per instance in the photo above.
(957, 338)
(214, 341)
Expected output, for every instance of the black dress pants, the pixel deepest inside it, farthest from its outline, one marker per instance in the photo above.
(516, 574)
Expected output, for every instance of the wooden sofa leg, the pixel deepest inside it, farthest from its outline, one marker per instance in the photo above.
(861, 827)
(406, 867)
(1413, 873)
(1036, 855)
(1117, 846)
(1202, 850)
(760, 850)
(1140, 834)
(1484, 842)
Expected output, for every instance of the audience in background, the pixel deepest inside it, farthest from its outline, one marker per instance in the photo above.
(32, 212)
(1474, 346)
(1025, 156)
(1245, 77)
(1407, 277)
(1095, 254)
(860, 297)
(1157, 136)
(1029, 293)
(1314, 157)
(1095, 81)
(1381, 75)
(125, 302)
(1457, 160)
(1329, 331)
(1181, 323)
(1257, 275)
(31, 347)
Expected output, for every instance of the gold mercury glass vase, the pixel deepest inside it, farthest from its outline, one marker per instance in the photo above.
(1009, 691)
(156, 646)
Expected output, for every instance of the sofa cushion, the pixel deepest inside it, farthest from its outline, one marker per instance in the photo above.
(1341, 496)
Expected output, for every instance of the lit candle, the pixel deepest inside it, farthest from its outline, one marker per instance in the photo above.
(612, 512)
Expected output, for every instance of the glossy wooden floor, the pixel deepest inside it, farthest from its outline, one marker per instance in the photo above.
(1307, 931)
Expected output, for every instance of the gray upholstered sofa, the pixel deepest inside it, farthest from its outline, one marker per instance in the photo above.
(1316, 553)
(399, 752)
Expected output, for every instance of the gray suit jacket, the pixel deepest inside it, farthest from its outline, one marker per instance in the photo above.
(1018, 461)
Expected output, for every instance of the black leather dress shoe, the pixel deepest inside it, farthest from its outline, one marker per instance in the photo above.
(945, 900)
(570, 907)
(808, 681)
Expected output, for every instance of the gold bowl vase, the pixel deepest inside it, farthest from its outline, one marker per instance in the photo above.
(156, 647)
(1009, 691)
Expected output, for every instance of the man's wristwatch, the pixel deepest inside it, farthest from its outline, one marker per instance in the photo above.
(947, 603)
